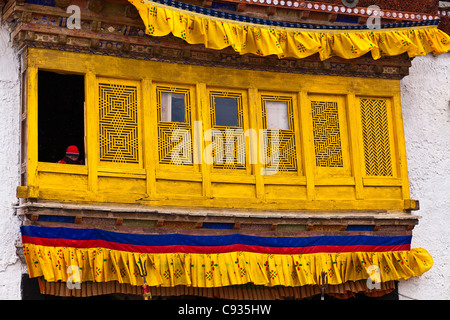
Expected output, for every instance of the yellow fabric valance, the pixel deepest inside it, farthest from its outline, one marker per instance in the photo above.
(217, 33)
(221, 269)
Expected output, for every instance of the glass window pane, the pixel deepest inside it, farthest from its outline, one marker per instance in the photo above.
(178, 114)
(172, 107)
(277, 117)
(226, 111)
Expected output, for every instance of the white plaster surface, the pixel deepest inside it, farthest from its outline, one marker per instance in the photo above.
(426, 116)
(10, 266)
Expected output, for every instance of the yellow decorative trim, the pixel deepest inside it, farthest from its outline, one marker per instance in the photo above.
(216, 33)
(221, 269)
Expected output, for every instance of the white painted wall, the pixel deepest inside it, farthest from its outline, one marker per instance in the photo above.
(426, 115)
(10, 266)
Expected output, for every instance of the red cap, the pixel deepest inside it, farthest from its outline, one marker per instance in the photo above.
(72, 149)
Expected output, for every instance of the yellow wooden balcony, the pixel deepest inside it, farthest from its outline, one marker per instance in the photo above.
(157, 133)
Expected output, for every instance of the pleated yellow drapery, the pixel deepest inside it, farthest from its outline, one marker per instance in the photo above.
(221, 269)
(217, 33)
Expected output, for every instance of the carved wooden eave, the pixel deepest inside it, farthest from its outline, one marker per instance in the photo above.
(115, 28)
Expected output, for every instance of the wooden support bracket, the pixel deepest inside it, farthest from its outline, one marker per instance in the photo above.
(332, 17)
(304, 14)
(271, 11)
(160, 223)
(411, 204)
(241, 7)
(207, 3)
(22, 192)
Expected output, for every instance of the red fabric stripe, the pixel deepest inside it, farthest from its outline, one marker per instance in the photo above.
(207, 249)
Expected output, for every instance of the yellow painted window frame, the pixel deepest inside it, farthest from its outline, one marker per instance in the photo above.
(170, 126)
(149, 74)
(293, 120)
(237, 167)
(118, 160)
(343, 170)
(393, 154)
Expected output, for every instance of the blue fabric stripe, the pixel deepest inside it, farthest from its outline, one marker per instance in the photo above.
(223, 240)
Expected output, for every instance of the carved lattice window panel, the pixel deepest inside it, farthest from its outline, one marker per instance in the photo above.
(171, 133)
(375, 130)
(118, 123)
(283, 136)
(326, 132)
(232, 147)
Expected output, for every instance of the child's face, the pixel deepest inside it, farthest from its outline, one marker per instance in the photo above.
(73, 156)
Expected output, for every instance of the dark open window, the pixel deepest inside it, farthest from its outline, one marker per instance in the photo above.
(60, 115)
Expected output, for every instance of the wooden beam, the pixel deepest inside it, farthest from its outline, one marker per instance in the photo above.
(241, 7)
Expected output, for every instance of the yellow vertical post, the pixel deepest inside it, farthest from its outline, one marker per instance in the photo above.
(255, 116)
(92, 152)
(308, 144)
(32, 115)
(397, 118)
(298, 137)
(354, 137)
(203, 114)
(150, 135)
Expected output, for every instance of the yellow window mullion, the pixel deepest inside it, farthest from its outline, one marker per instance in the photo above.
(150, 134)
(91, 120)
(255, 120)
(204, 116)
(355, 142)
(400, 144)
(308, 143)
(298, 123)
(32, 115)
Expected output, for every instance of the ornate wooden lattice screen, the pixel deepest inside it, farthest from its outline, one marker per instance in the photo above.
(118, 122)
(227, 116)
(173, 131)
(285, 137)
(326, 132)
(375, 131)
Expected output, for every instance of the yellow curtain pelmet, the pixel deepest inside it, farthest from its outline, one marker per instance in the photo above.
(216, 33)
(221, 269)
